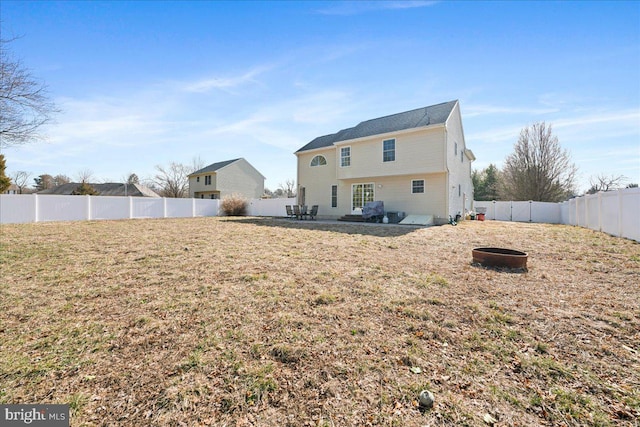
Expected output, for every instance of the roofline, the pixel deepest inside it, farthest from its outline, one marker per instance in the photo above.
(342, 142)
(383, 135)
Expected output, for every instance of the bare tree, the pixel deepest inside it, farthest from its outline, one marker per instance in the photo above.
(20, 179)
(61, 179)
(539, 169)
(288, 188)
(605, 183)
(85, 175)
(173, 180)
(24, 104)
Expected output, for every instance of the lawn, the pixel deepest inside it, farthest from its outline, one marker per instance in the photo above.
(261, 322)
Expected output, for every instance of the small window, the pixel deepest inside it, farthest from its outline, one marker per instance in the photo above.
(345, 156)
(334, 196)
(207, 180)
(318, 161)
(461, 156)
(459, 190)
(197, 179)
(417, 186)
(389, 150)
(455, 149)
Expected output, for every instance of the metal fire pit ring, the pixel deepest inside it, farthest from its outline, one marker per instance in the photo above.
(500, 257)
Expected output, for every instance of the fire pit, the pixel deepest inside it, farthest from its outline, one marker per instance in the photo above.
(500, 257)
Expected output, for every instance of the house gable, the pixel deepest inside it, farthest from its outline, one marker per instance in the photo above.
(225, 178)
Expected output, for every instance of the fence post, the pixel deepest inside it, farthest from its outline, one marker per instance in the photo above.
(88, 207)
(193, 208)
(36, 216)
(164, 207)
(620, 205)
(130, 207)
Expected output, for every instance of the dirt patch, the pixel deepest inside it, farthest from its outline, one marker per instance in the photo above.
(217, 321)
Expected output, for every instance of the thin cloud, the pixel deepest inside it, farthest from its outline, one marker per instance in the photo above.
(482, 110)
(348, 8)
(225, 83)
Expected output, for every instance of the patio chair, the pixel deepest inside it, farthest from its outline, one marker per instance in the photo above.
(304, 211)
(296, 212)
(314, 212)
(290, 213)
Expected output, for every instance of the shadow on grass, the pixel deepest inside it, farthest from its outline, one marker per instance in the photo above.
(369, 229)
(500, 269)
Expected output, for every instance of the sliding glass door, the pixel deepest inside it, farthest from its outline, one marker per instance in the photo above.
(360, 195)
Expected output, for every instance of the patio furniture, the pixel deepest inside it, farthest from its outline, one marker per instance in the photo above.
(296, 212)
(314, 212)
(290, 213)
(304, 211)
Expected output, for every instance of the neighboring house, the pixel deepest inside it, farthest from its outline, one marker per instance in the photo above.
(107, 189)
(222, 179)
(416, 162)
(13, 189)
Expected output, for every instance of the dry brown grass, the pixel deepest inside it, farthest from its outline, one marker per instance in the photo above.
(238, 322)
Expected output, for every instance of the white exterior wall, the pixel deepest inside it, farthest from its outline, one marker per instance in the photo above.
(238, 177)
(460, 185)
(241, 178)
(417, 151)
(317, 182)
(200, 187)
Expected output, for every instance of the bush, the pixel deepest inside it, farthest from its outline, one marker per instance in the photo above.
(234, 205)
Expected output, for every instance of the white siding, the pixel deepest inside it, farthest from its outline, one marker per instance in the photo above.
(417, 151)
(241, 178)
(460, 186)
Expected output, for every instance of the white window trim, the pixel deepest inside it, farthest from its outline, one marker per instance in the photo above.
(311, 165)
(350, 152)
(394, 150)
(424, 185)
(373, 186)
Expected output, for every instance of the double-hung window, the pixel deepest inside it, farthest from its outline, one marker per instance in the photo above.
(417, 186)
(345, 156)
(389, 150)
(207, 180)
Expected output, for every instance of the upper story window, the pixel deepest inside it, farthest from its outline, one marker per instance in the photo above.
(455, 148)
(318, 161)
(389, 150)
(345, 156)
(197, 179)
(207, 180)
(462, 156)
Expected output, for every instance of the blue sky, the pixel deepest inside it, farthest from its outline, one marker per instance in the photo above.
(147, 83)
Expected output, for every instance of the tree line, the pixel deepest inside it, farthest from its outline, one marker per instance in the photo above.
(538, 169)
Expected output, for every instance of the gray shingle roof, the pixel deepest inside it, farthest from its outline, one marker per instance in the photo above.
(214, 166)
(432, 115)
(107, 189)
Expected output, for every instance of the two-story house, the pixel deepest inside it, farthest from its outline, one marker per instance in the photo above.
(416, 162)
(222, 179)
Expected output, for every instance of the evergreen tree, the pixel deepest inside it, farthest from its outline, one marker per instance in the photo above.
(5, 181)
(84, 189)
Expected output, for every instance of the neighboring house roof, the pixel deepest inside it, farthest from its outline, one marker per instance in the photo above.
(426, 116)
(107, 189)
(214, 167)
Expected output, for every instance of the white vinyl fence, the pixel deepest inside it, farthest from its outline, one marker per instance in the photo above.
(37, 208)
(613, 212)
